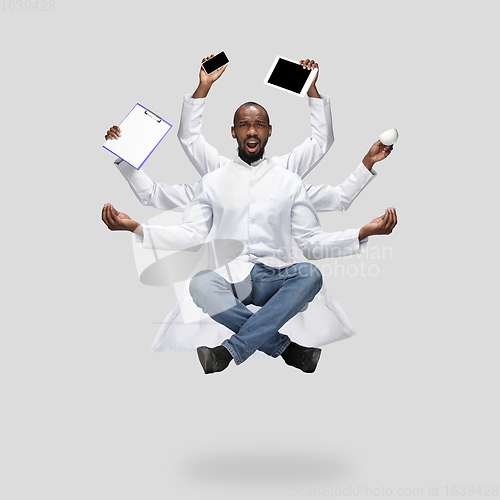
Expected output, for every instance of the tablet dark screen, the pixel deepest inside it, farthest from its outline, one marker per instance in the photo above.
(289, 75)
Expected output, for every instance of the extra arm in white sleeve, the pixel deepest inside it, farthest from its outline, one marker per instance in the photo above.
(202, 155)
(163, 196)
(326, 198)
(312, 240)
(196, 224)
(306, 156)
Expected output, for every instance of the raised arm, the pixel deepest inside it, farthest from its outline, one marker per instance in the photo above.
(306, 156)
(163, 196)
(301, 160)
(201, 154)
(326, 198)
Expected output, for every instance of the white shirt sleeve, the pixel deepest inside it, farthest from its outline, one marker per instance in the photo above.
(306, 156)
(326, 198)
(312, 240)
(202, 155)
(154, 194)
(196, 224)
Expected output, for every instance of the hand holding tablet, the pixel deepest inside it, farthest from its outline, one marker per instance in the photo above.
(290, 76)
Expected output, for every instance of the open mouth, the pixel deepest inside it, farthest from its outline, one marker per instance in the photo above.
(252, 145)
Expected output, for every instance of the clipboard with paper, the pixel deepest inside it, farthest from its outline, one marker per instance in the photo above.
(141, 133)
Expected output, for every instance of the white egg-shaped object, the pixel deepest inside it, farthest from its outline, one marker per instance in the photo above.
(389, 137)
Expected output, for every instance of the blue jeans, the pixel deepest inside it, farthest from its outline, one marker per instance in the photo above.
(281, 293)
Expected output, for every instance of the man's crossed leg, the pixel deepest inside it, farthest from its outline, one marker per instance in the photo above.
(281, 293)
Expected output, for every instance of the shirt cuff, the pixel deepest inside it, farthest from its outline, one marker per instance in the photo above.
(362, 245)
(365, 173)
(142, 241)
(314, 100)
(127, 170)
(188, 99)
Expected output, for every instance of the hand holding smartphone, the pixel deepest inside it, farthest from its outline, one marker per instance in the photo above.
(215, 63)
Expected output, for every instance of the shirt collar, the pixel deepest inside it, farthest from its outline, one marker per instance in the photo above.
(253, 164)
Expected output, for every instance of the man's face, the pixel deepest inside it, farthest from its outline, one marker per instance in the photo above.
(251, 130)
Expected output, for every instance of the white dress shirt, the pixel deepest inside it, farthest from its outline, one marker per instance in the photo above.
(324, 197)
(263, 206)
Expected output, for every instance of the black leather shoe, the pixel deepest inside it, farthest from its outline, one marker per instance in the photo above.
(303, 358)
(214, 359)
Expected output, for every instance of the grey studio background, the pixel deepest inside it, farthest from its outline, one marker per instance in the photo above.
(410, 404)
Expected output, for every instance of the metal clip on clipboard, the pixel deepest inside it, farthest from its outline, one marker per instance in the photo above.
(153, 115)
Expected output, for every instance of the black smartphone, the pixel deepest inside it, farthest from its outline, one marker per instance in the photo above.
(215, 63)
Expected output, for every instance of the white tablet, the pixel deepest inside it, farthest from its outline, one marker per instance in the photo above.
(290, 76)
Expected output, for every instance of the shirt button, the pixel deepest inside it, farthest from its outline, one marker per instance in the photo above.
(252, 221)
(252, 201)
(251, 184)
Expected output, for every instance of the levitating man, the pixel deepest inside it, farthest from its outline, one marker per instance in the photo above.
(251, 129)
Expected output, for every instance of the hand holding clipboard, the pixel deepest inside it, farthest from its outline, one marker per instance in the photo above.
(141, 132)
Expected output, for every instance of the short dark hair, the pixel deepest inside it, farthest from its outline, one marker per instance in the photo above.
(251, 103)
